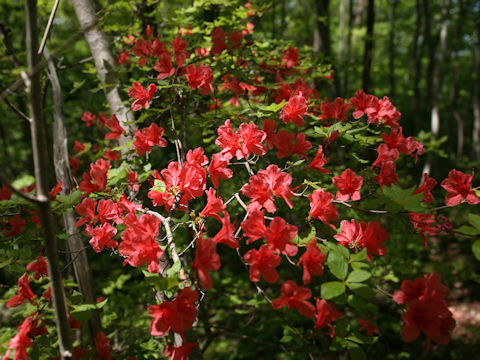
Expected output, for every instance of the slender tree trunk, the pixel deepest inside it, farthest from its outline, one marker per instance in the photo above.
(437, 83)
(76, 248)
(321, 29)
(368, 52)
(391, 46)
(431, 45)
(417, 52)
(39, 150)
(283, 19)
(358, 18)
(348, 49)
(476, 100)
(321, 37)
(455, 88)
(341, 44)
(104, 63)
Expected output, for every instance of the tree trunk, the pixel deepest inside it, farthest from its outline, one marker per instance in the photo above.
(455, 88)
(476, 100)
(39, 150)
(417, 52)
(437, 83)
(321, 29)
(104, 63)
(431, 45)
(391, 51)
(348, 49)
(76, 248)
(341, 44)
(369, 41)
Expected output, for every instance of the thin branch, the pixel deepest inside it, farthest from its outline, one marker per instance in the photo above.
(360, 209)
(49, 25)
(17, 110)
(18, 192)
(170, 242)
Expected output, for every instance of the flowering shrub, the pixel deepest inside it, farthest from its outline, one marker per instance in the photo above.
(239, 169)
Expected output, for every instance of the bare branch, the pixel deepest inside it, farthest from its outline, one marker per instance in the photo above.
(49, 25)
(18, 192)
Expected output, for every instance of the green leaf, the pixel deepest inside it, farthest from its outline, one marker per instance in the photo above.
(356, 353)
(332, 289)
(476, 249)
(361, 255)
(362, 290)
(337, 264)
(358, 276)
(405, 199)
(474, 220)
(467, 230)
(339, 249)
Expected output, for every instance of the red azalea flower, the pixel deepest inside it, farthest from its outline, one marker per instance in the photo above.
(362, 103)
(138, 242)
(248, 139)
(102, 236)
(254, 226)
(294, 110)
(206, 259)
(199, 77)
(312, 262)
(326, 314)
(319, 161)
(177, 315)
(148, 137)
(39, 267)
(266, 184)
(218, 40)
(336, 110)
(425, 224)
(459, 187)
(263, 262)
(142, 97)
(279, 235)
(226, 234)
(114, 125)
(427, 186)
(295, 297)
(214, 205)
(387, 175)
(218, 168)
(102, 346)
(348, 184)
(368, 327)
(23, 293)
(164, 65)
(321, 207)
(179, 47)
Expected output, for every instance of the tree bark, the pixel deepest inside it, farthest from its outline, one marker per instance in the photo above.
(76, 248)
(369, 42)
(391, 46)
(455, 88)
(348, 49)
(321, 29)
(476, 100)
(417, 52)
(105, 65)
(437, 83)
(431, 43)
(39, 150)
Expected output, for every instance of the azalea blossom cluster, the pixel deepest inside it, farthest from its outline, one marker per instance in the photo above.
(427, 310)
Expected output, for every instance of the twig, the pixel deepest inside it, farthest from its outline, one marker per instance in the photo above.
(170, 242)
(360, 209)
(27, 197)
(17, 110)
(49, 25)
